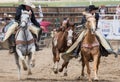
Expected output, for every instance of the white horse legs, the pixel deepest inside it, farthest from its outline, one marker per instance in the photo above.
(55, 67)
(26, 65)
(32, 57)
(29, 69)
(19, 53)
(18, 65)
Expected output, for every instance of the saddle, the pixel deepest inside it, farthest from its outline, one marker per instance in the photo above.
(103, 51)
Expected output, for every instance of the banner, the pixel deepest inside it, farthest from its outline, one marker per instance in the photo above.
(110, 29)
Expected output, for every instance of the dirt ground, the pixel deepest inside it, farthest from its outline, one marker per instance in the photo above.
(109, 70)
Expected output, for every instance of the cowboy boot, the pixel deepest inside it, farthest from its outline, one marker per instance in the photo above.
(38, 39)
(37, 46)
(39, 35)
(76, 52)
(11, 42)
(36, 42)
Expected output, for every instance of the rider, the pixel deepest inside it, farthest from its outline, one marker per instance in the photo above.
(27, 5)
(105, 44)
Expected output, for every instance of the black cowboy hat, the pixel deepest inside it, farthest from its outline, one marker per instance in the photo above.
(92, 7)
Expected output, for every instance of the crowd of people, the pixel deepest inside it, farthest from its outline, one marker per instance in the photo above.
(104, 10)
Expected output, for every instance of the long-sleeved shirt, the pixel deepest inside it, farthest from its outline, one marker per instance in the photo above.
(18, 15)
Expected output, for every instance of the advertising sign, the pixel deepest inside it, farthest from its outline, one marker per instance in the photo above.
(110, 29)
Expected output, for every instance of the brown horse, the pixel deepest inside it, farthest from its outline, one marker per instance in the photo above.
(60, 43)
(90, 47)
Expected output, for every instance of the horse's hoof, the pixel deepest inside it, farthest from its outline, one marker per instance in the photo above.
(55, 70)
(29, 73)
(80, 77)
(90, 81)
(32, 63)
(96, 79)
(25, 68)
(65, 74)
(60, 70)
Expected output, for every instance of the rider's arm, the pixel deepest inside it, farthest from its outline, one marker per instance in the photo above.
(97, 18)
(83, 20)
(18, 13)
(33, 20)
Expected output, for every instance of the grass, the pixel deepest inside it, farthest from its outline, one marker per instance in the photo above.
(60, 4)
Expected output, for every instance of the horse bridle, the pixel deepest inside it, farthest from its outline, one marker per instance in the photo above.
(90, 17)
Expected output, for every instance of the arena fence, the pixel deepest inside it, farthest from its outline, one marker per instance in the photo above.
(56, 14)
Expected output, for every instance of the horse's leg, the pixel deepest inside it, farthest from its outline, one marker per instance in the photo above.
(56, 61)
(25, 65)
(96, 64)
(29, 60)
(65, 72)
(65, 64)
(83, 66)
(88, 69)
(32, 57)
(18, 65)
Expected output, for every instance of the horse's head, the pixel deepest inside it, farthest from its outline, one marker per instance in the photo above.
(25, 17)
(91, 22)
(70, 34)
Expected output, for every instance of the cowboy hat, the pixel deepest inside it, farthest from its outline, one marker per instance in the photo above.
(29, 3)
(92, 7)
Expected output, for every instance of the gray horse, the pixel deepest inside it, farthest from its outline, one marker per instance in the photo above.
(25, 45)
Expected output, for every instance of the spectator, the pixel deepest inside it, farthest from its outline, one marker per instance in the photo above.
(44, 25)
(5, 19)
(118, 11)
(102, 11)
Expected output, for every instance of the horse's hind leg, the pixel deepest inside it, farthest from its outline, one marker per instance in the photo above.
(83, 66)
(65, 64)
(18, 65)
(65, 73)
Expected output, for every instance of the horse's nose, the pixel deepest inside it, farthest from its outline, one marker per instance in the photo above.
(93, 31)
(22, 24)
(69, 43)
